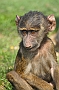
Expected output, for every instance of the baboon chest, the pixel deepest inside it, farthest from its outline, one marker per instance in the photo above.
(37, 67)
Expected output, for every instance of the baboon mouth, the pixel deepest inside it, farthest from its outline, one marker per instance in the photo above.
(32, 48)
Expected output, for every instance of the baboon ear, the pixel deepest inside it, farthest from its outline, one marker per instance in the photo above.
(52, 22)
(17, 19)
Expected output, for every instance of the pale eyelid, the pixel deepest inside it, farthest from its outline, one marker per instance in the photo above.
(29, 29)
(22, 29)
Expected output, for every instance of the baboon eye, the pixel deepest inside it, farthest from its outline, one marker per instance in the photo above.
(34, 31)
(23, 32)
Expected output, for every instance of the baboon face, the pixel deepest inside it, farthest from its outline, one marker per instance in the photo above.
(33, 27)
(30, 39)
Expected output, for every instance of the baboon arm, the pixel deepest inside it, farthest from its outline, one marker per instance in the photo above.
(18, 82)
(37, 82)
(33, 80)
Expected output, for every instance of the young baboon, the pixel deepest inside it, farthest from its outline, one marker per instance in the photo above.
(36, 66)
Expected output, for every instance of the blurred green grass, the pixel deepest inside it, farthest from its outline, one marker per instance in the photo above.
(9, 38)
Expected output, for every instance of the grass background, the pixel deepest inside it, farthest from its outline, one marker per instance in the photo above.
(9, 39)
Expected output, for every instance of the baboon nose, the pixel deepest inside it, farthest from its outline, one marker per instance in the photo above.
(28, 45)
